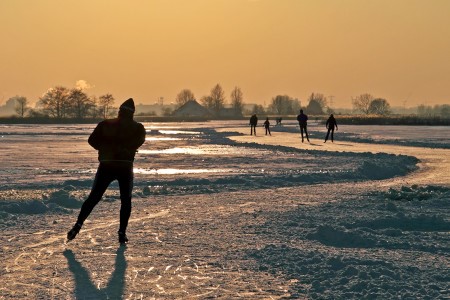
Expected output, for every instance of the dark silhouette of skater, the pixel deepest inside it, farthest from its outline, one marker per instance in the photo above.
(86, 289)
(253, 123)
(331, 123)
(279, 121)
(267, 126)
(117, 141)
(302, 122)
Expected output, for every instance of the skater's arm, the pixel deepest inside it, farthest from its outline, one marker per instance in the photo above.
(95, 139)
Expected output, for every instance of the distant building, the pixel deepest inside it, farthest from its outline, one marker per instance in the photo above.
(192, 109)
(152, 109)
(229, 113)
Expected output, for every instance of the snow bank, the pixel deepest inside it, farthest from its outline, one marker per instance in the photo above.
(328, 276)
(58, 201)
(368, 247)
(415, 193)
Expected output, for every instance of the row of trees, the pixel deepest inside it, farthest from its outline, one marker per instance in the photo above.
(368, 104)
(215, 101)
(61, 102)
(280, 104)
(286, 105)
(434, 111)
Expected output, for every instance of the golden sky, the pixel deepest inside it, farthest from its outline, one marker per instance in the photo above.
(146, 49)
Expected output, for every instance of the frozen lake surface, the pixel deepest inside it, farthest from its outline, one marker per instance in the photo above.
(180, 156)
(221, 214)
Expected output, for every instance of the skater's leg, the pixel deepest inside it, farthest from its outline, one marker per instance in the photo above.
(126, 186)
(328, 133)
(102, 180)
(332, 135)
(301, 131)
(306, 133)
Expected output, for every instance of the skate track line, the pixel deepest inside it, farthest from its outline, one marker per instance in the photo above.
(59, 237)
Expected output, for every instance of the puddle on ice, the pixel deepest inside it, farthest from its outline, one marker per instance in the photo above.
(178, 132)
(203, 150)
(155, 139)
(176, 150)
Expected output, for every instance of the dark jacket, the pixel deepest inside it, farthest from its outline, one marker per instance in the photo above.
(331, 123)
(254, 120)
(117, 139)
(302, 119)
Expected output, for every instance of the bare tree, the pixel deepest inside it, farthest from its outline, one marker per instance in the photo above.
(106, 102)
(257, 109)
(21, 105)
(79, 103)
(284, 105)
(218, 98)
(237, 100)
(183, 97)
(379, 106)
(362, 103)
(207, 102)
(215, 101)
(54, 102)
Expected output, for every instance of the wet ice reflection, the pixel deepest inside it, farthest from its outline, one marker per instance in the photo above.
(178, 132)
(178, 171)
(162, 139)
(205, 150)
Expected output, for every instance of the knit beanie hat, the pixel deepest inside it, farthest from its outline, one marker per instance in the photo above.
(128, 105)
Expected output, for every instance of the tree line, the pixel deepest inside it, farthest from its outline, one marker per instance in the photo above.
(61, 102)
(279, 105)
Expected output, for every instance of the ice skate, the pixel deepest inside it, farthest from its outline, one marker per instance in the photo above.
(122, 238)
(73, 232)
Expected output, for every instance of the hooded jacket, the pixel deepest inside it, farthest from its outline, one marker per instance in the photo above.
(117, 139)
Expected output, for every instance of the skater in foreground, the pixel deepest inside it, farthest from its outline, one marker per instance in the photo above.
(117, 141)
(302, 122)
(331, 123)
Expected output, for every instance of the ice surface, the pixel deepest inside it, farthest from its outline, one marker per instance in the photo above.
(220, 214)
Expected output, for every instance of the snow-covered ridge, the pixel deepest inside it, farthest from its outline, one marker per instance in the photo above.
(362, 241)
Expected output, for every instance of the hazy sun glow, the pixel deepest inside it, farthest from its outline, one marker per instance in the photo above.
(148, 49)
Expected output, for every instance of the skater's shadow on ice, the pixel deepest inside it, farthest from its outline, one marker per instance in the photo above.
(314, 144)
(86, 289)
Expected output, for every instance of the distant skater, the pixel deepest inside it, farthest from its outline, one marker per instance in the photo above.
(331, 123)
(253, 123)
(117, 141)
(302, 122)
(267, 126)
(279, 120)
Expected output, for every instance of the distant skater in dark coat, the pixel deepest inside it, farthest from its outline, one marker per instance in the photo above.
(253, 123)
(267, 126)
(302, 122)
(331, 123)
(116, 141)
